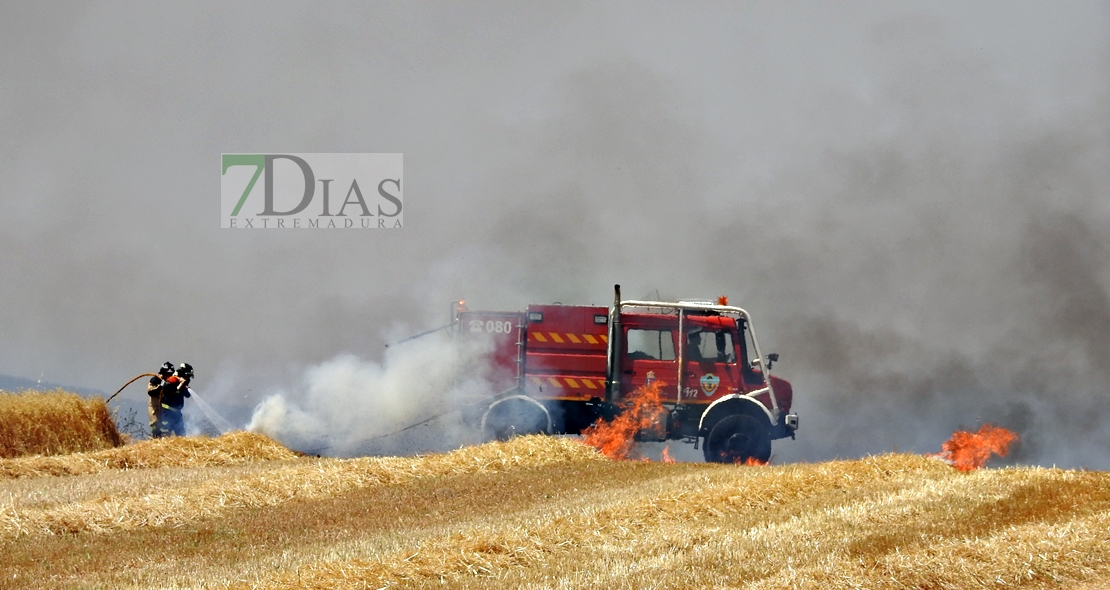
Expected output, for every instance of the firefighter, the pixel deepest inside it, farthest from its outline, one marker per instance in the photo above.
(174, 391)
(154, 390)
(693, 347)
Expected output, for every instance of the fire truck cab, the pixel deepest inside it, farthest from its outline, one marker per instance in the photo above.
(560, 368)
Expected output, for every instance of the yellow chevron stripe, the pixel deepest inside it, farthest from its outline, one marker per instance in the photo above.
(539, 336)
(603, 338)
(555, 337)
(574, 338)
(589, 339)
(589, 383)
(571, 382)
(554, 382)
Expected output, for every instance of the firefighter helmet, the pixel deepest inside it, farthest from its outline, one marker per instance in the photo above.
(166, 370)
(185, 370)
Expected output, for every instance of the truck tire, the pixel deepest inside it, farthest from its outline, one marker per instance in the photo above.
(737, 438)
(514, 417)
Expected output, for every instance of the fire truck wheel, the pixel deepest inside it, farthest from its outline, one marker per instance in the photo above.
(737, 438)
(514, 418)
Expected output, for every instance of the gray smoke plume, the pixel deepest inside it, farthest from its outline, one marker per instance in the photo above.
(910, 198)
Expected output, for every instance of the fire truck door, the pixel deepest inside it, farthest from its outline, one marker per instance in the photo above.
(711, 369)
(649, 357)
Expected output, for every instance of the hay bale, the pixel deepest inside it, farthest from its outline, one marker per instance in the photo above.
(54, 422)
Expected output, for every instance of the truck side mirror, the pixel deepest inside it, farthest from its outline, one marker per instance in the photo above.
(771, 359)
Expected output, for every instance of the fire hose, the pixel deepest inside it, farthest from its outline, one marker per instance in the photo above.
(427, 420)
(380, 436)
(395, 432)
(129, 383)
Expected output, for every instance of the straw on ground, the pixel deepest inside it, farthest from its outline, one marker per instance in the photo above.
(551, 513)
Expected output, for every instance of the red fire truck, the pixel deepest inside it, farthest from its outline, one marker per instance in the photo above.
(560, 368)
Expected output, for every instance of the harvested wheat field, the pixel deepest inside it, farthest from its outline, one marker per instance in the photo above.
(235, 447)
(539, 512)
(54, 422)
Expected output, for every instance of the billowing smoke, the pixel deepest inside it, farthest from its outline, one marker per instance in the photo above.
(348, 405)
(981, 287)
(911, 198)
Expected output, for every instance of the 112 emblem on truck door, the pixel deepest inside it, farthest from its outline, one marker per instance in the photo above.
(709, 383)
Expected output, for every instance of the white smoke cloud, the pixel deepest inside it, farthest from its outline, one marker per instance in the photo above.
(349, 405)
(909, 196)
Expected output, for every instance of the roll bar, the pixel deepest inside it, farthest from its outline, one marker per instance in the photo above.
(680, 308)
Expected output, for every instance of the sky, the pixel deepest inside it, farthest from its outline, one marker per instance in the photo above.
(910, 198)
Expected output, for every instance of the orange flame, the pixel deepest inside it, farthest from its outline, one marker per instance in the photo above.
(970, 450)
(667, 458)
(753, 462)
(641, 410)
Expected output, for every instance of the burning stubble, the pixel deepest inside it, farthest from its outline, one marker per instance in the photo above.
(967, 451)
(909, 198)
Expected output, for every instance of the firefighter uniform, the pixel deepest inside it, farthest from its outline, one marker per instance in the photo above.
(174, 391)
(154, 390)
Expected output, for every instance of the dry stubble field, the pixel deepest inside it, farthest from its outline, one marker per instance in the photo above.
(240, 511)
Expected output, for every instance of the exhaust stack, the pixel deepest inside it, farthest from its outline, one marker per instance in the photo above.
(613, 372)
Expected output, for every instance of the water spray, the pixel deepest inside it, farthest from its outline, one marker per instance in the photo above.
(209, 412)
